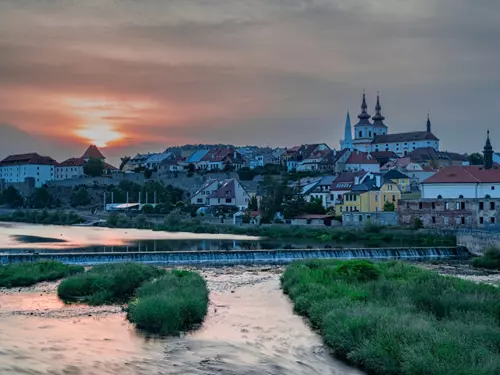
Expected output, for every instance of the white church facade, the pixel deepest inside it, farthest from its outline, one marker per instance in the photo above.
(374, 135)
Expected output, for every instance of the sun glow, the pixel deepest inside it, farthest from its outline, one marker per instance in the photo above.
(99, 134)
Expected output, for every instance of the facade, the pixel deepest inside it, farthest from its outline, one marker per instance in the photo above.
(218, 159)
(401, 179)
(361, 161)
(374, 135)
(17, 168)
(359, 219)
(228, 192)
(70, 168)
(263, 159)
(154, 160)
(320, 189)
(308, 157)
(450, 213)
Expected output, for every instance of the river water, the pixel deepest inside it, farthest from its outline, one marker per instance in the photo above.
(250, 329)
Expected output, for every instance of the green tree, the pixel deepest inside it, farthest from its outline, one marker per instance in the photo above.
(94, 167)
(148, 209)
(272, 198)
(389, 207)
(80, 198)
(246, 174)
(12, 198)
(41, 198)
(294, 203)
(124, 160)
(315, 206)
(476, 159)
(191, 168)
(148, 173)
(253, 205)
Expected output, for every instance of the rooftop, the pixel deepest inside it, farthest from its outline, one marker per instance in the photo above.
(30, 158)
(405, 137)
(93, 153)
(465, 174)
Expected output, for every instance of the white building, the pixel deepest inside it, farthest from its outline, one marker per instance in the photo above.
(374, 136)
(16, 168)
(228, 192)
(70, 168)
(361, 161)
(154, 160)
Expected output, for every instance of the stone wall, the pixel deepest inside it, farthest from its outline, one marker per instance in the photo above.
(477, 241)
(359, 219)
(25, 188)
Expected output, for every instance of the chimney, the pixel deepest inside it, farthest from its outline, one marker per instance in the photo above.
(378, 180)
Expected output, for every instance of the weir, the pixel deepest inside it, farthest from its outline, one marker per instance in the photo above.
(240, 257)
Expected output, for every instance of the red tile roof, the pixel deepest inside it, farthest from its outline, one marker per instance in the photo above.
(93, 153)
(31, 158)
(109, 167)
(73, 162)
(361, 158)
(405, 137)
(465, 174)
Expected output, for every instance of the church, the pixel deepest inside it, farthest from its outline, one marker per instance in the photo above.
(374, 135)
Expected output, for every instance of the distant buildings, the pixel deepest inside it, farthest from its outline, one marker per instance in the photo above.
(228, 192)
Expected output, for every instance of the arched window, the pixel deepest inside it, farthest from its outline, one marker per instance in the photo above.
(440, 196)
(460, 196)
(360, 134)
(487, 196)
(369, 133)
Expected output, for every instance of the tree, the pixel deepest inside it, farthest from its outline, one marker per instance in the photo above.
(389, 207)
(246, 174)
(272, 198)
(476, 159)
(94, 167)
(124, 161)
(253, 205)
(12, 198)
(294, 203)
(41, 198)
(80, 198)
(315, 206)
(148, 209)
(191, 168)
(148, 173)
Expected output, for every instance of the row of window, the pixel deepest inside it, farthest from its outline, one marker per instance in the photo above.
(458, 205)
(463, 221)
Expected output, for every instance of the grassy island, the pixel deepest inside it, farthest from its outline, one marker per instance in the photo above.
(26, 274)
(490, 260)
(164, 302)
(391, 318)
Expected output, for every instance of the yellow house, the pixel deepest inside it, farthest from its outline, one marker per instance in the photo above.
(369, 197)
(402, 180)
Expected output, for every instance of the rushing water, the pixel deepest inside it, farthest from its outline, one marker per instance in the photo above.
(250, 329)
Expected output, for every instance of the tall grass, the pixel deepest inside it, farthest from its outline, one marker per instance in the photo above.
(490, 259)
(107, 283)
(26, 274)
(395, 319)
(173, 303)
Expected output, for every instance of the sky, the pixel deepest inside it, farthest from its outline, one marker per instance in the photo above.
(144, 75)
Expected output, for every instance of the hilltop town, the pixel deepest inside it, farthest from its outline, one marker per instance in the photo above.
(376, 177)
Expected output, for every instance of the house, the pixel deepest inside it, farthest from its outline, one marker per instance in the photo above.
(401, 179)
(220, 159)
(311, 219)
(342, 184)
(228, 192)
(154, 160)
(16, 168)
(307, 157)
(450, 213)
(361, 161)
(384, 157)
(319, 159)
(416, 172)
(319, 189)
(369, 194)
(169, 166)
(70, 168)
(260, 160)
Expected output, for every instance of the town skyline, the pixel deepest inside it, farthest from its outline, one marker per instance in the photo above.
(146, 76)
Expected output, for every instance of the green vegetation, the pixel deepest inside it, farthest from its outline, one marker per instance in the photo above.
(173, 303)
(490, 259)
(80, 197)
(41, 198)
(43, 217)
(371, 236)
(94, 167)
(389, 207)
(392, 318)
(11, 197)
(108, 283)
(164, 302)
(26, 274)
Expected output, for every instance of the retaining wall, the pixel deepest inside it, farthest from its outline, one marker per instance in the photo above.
(477, 241)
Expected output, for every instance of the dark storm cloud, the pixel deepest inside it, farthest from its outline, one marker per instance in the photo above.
(258, 71)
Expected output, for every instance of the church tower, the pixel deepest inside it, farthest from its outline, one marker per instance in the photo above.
(378, 120)
(488, 153)
(346, 143)
(428, 127)
(363, 130)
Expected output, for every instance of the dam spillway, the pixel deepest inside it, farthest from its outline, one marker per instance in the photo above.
(241, 257)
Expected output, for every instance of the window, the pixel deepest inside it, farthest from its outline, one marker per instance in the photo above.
(360, 134)
(376, 198)
(446, 205)
(434, 220)
(492, 220)
(440, 196)
(462, 205)
(228, 200)
(360, 218)
(340, 208)
(420, 205)
(407, 205)
(460, 196)
(394, 198)
(433, 205)
(481, 205)
(492, 188)
(481, 220)
(200, 200)
(463, 220)
(492, 205)
(385, 198)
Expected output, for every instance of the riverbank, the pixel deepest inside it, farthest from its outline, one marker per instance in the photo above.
(396, 319)
(249, 329)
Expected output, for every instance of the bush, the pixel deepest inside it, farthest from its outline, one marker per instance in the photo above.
(490, 259)
(25, 274)
(417, 223)
(173, 303)
(397, 319)
(104, 284)
(148, 209)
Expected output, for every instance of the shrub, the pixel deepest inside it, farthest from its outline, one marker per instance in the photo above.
(397, 319)
(417, 223)
(148, 209)
(103, 284)
(25, 274)
(490, 259)
(173, 303)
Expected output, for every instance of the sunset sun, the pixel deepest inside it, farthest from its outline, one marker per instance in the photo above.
(99, 134)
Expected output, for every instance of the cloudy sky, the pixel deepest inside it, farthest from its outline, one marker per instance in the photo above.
(142, 75)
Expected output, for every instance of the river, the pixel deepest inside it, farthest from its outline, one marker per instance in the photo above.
(250, 329)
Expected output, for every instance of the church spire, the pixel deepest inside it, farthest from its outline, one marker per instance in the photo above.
(488, 153)
(378, 119)
(428, 127)
(346, 143)
(364, 117)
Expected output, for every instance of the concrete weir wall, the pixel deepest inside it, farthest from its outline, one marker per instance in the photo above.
(235, 257)
(477, 241)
